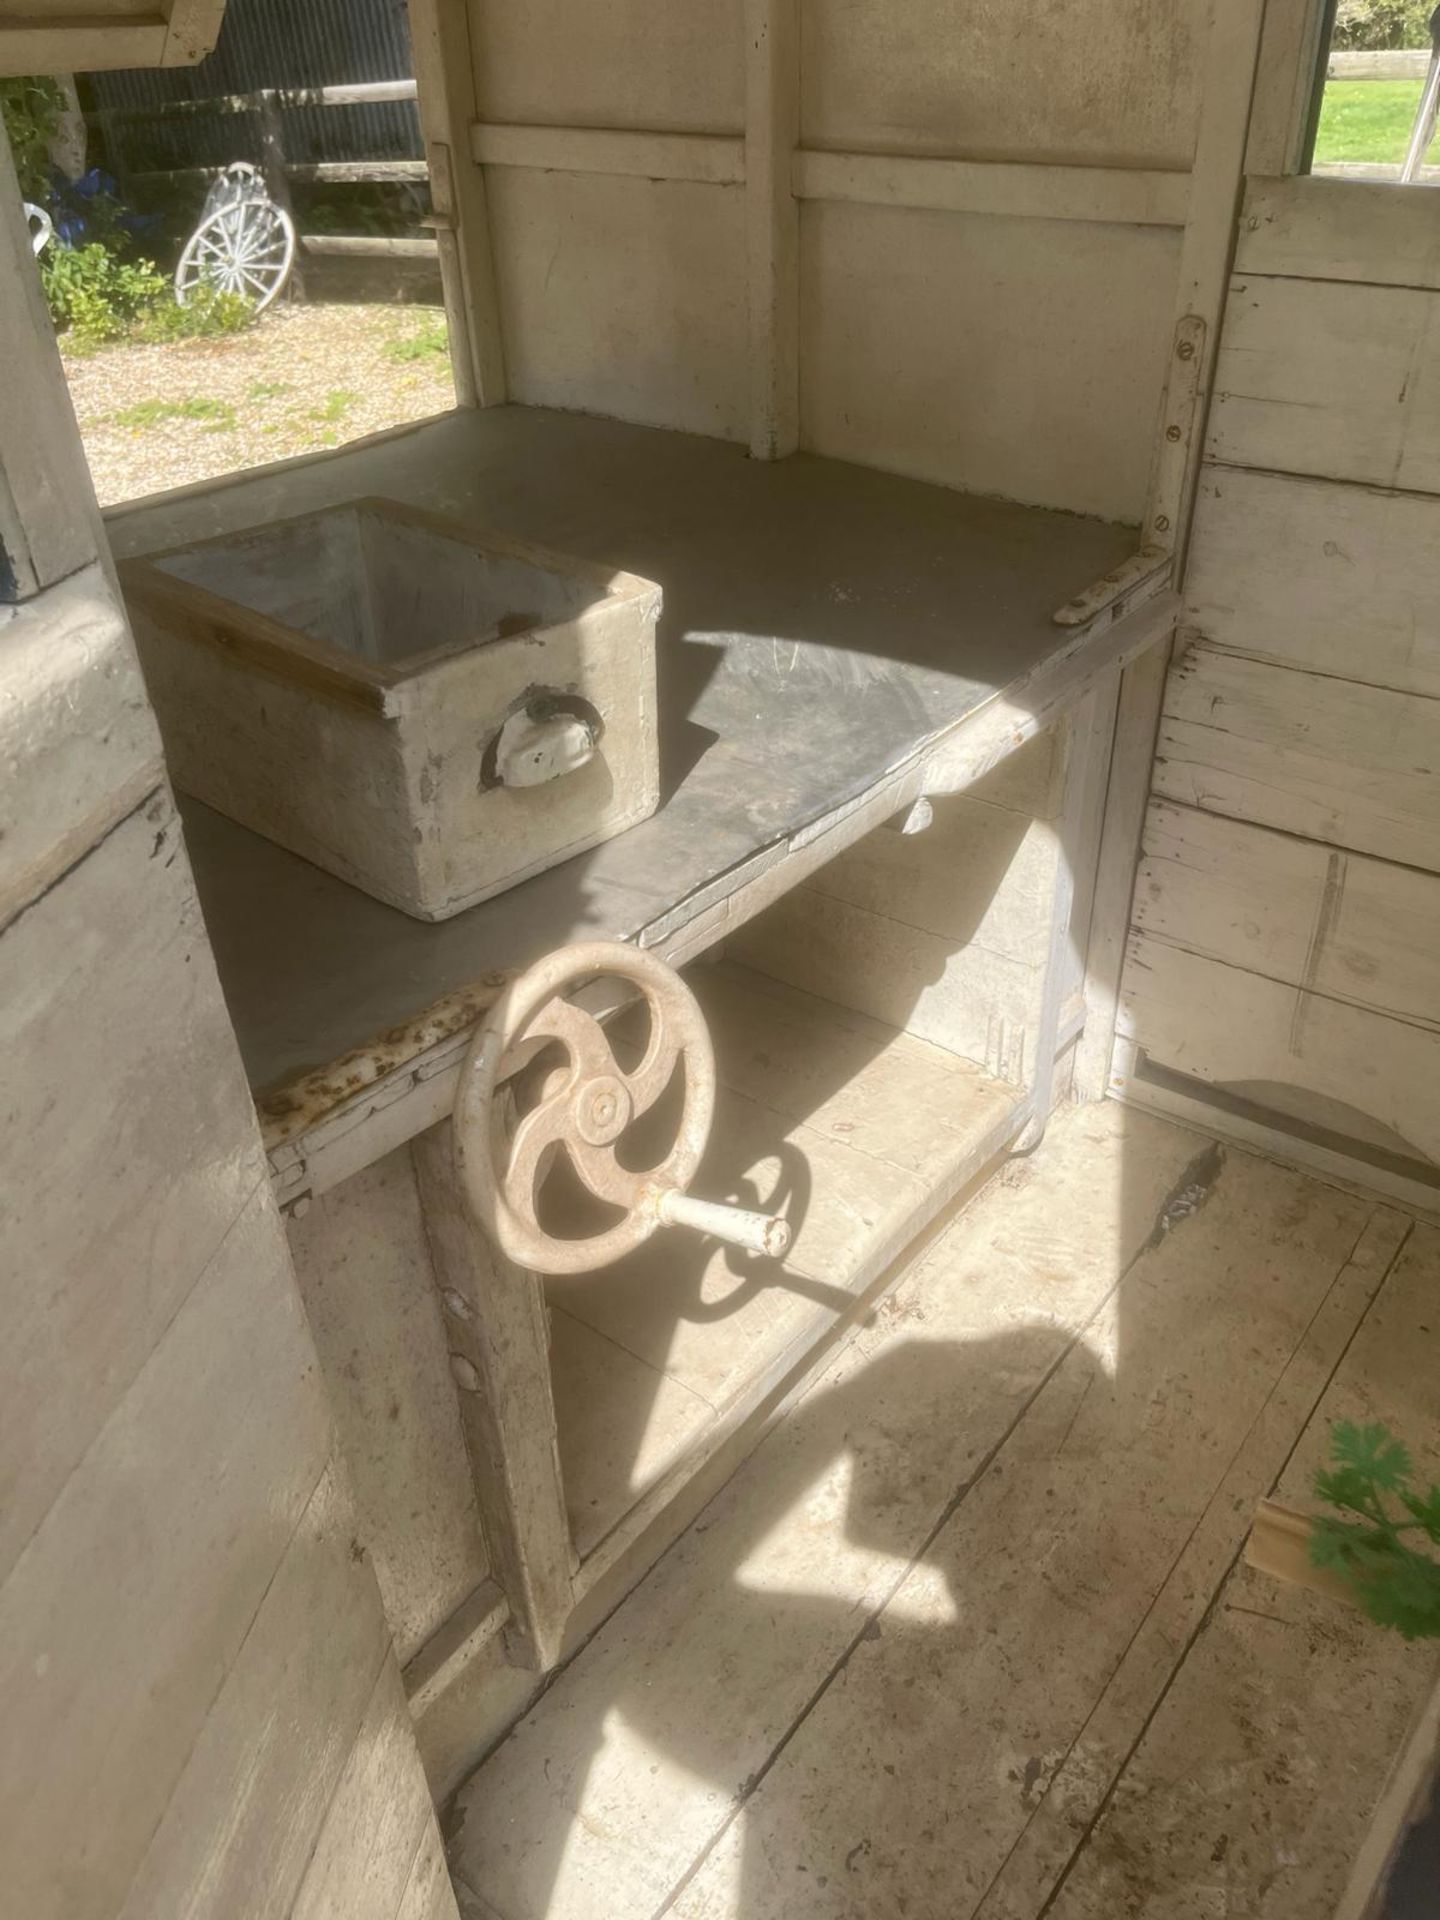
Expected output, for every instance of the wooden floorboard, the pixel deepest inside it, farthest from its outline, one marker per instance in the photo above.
(606, 1795)
(850, 1130)
(955, 1717)
(967, 1636)
(1252, 1789)
(1077, 1792)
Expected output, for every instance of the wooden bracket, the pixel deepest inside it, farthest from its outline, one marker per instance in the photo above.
(1149, 568)
(1279, 1545)
(1179, 420)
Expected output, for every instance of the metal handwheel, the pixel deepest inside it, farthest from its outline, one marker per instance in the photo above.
(584, 1110)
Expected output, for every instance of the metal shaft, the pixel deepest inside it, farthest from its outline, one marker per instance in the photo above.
(756, 1232)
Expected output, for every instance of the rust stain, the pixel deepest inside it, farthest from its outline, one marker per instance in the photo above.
(295, 1106)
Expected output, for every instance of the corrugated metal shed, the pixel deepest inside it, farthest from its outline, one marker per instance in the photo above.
(278, 43)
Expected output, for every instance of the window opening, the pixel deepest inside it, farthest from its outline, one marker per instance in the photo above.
(1374, 108)
(237, 255)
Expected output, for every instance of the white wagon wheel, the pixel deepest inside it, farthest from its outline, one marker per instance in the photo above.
(247, 247)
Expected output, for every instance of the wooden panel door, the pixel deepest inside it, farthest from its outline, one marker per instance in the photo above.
(201, 1704)
(1283, 976)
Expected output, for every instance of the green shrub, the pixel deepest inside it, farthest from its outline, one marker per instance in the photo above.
(207, 310)
(101, 291)
(97, 295)
(31, 109)
(1373, 25)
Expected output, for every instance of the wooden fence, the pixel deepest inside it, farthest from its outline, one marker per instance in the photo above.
(1401, 63)
(268, 105)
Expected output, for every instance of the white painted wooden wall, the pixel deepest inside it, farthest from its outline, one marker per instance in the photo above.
(1286, 936)
(940, 934)
(973, 280)
(201, 1709)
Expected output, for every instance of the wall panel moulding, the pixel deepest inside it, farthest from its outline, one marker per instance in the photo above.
(1120, 195)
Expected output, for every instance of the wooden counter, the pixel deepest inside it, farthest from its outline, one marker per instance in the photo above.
(834, 642)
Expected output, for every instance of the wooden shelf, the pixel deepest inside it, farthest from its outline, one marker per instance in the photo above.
(859, 1135)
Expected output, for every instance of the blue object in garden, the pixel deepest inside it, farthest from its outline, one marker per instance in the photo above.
(79, 207)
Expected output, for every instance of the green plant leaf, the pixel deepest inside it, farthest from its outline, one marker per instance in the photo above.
(1402, 1590)
(1396, 1586)
(1329, 1542)
(1345, 1487)
(1424, 1507)
(1372, 1450)
(31, 107)
(96, 295)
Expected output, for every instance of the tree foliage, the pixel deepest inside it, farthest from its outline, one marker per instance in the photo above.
(31, 108)
(1365, 26)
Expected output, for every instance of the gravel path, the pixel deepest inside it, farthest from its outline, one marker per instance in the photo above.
(304, 377)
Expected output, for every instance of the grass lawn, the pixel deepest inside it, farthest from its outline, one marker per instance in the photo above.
(1366, 120)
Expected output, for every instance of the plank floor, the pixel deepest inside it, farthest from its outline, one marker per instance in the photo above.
(832, 1119)
(969, 1634)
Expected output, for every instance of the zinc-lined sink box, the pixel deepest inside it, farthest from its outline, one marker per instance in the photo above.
(429, 711)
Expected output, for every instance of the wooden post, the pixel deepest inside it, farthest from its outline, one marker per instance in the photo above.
(1292, 53)
(1090, 816)
(445, 79)
(1142, 688)
(109, 132)
(772, 117)
(495, 1320)
(49, 524)
(272, 167)
(1216, 181)
(1082, 730)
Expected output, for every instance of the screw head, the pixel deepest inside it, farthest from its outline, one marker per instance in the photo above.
(1162, 523)
(1186, 350)
(1172, 433)
(466, 1378)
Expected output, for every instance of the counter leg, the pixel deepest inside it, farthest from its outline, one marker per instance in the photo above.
(495, 1319)
(1087, 735)
(1142, 691)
